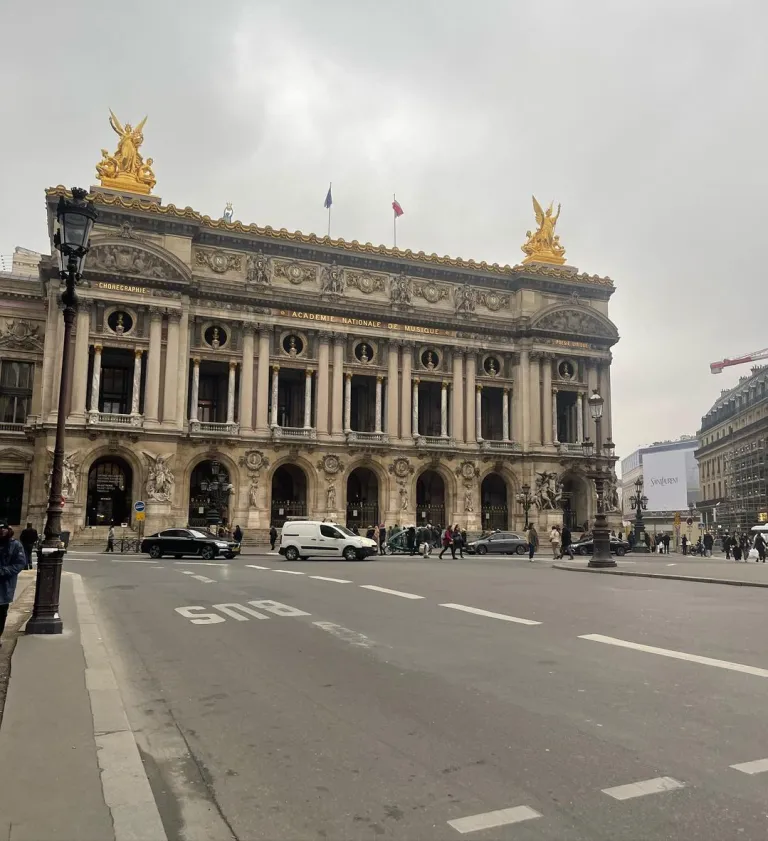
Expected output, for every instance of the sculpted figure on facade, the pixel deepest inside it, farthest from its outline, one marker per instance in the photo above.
(229, 213)
(401, 290)
(543, 245)
(466, 299)
(333, 280)
(257, 269)
(69, 474)
(126, 169)
(253, 492)
(160, 479)
(403, 498)
(611, 495)
(468, 504)
(548, 493)
(331, 496)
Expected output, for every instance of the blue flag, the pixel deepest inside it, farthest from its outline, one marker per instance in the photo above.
(328, 199)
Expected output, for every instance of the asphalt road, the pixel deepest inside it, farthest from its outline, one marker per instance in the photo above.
(412, 699)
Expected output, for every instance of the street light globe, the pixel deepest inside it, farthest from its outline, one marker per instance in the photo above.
(525, 489)
(596, 405)
(587, 447)
(75, 217)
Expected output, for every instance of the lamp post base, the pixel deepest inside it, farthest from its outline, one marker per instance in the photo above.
(45, 625)
(46, 618)
(601, 563)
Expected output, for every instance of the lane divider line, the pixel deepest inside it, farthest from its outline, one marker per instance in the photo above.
(490, 614)
(334, 580)
(678, 655)
(490, 820)
(255, 566)
(289, 571)
(391, 592)
(644, 787)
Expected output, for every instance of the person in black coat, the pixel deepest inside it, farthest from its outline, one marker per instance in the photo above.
(410, 539)
(566, 543)
(12, 562)
(272, 537)
(28, 539)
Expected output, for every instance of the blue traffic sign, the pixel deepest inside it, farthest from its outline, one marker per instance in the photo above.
(139, 506)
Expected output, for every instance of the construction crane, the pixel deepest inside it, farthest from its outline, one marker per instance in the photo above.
(717, 367)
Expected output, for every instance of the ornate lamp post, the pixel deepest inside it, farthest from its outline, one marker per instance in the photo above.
(75, 217)
(526, 500)
(601, 556)
(639, 502)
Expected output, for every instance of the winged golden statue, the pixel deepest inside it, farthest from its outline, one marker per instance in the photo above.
(543, 245)
(126, 169)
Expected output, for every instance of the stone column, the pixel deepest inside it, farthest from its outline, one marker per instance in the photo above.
(379, 381)
(546, 391)
(479, 413)
(152, 389)
(392, 407)
(554, 415)
(534, 401)
(337, 406)
(275, 387)
(523, 392)
(470, 395)
(136, 392)
(51, 351)
(172, 374)
(579, 418)
(193, 397)
(80, 370)
(58, 344)
(512, 429)
(591, 386)
(505, 414)
(262, 383)
(605, 393)
(415, 408)
(323, 383)
(348, 402)
(231, 392)
(246, 379)
(405, 392)
(457, 398)
(444, 410)
(182, 375)
(308, 399)
(95, 380)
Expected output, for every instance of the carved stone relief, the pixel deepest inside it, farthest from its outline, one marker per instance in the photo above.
(218, 261)
(258, 269)
(21, 335)
(465, 299)
(575, 323)
(129, 259)
(494, 301)
(430, 291)
(293, 271)
(401, 290)
(365, 282)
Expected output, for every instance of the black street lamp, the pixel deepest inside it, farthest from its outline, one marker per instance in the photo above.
(75, 217)
(639, 502)
(526, 500)
(601, 556)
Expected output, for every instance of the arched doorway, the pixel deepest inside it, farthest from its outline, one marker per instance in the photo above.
(493, 501)
(362, 498)
(209, 491)
(110, 491)
(575, 502)
(430, 499)
(289, 494)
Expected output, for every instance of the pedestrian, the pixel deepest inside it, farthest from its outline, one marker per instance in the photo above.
(383, 539)
(28, 539)
(666, 538)
(272, 537)
(648, 542)
(369, 532)
(448, 543)
(410, 539)
(621, 535)
(12, 561)
(533, 541)
(458, 541)
(554, 539)
(727, 547)
(566, 542)
(736, 549)
(237, 535)
(631, 539)
(110, 540)
(424, 541)
(436, 532)
(709, 542)
(684, 541)
(760, 546)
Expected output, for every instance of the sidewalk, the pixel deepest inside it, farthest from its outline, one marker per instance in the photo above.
(69, 766)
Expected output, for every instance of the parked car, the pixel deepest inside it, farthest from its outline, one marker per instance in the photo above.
(313, 539)
(586, 546)
(498, 543)
(180, 542)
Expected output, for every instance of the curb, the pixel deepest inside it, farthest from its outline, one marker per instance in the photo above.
(124, 782)
(733, 582)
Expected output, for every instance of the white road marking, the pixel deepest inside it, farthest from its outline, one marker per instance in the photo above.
(654, 786)
(278, 608)
(82, 560)
(678, 655)
(199, 618)
(757, 766)
(671, 565)
(254, 566)
(391, 592)
(335, 580)
(491, 615)
(289, 571)
(232, 608)
(199, 564)
(130, 561)
(489, 820)
(204, 579)
(352, 637)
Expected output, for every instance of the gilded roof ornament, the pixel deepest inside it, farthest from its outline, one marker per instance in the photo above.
(543, 245)
(126, 169)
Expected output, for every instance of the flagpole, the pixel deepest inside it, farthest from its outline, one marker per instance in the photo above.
(329, 212)
(394, 220)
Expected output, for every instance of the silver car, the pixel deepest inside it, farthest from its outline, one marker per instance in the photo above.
(499, 543)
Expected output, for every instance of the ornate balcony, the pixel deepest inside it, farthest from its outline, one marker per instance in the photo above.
(294, 433)
(12, 427)
(432, 441)
(565, 447)
(211, 428)
(354, 436)
(499, 446)
(113, 419)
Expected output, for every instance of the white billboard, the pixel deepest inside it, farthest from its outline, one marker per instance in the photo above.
(664, 478)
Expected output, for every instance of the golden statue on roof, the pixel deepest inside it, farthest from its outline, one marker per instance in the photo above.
(126, 169)
(543, 245)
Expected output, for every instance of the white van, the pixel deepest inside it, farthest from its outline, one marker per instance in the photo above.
(313, 539)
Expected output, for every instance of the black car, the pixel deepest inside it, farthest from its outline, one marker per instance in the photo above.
(180, 542)
(586, 546)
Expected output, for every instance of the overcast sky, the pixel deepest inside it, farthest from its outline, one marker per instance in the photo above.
(645, 118)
